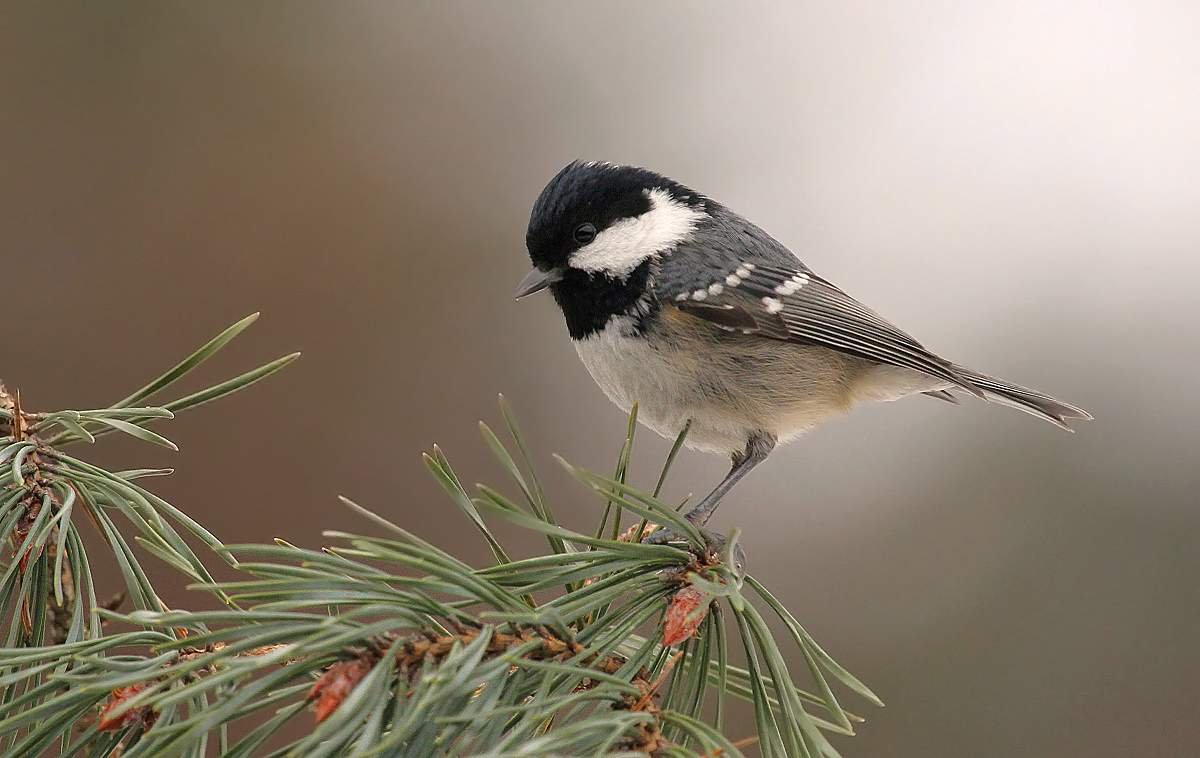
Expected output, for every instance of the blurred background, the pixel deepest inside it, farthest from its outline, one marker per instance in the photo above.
(1014, 183)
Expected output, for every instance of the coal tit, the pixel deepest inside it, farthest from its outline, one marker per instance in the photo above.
(678, 303)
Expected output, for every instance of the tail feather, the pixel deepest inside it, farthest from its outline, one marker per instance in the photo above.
(1024, 399)
(942, 395)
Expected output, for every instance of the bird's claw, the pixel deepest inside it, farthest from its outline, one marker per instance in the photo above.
(713, 550)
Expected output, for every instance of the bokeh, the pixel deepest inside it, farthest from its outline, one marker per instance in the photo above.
(1014, 183)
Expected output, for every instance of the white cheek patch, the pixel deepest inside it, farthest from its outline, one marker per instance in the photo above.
(623, 246)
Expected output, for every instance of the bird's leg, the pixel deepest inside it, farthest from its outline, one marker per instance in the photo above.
(758, 447)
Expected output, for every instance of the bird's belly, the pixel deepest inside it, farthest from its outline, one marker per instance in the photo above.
(730, 386)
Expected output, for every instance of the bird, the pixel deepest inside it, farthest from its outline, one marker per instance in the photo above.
(700, 317)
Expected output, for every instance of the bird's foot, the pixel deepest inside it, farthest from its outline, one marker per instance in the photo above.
(714, 550)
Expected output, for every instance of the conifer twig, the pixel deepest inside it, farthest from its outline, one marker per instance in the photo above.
(397, 646)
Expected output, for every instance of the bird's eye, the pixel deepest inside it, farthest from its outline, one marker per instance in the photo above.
(585, 233)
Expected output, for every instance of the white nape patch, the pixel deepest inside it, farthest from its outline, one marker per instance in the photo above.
(623, 246)
(793, 285)
(772, 305)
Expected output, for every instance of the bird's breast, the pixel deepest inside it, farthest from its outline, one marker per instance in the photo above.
(632, 366)
(678, 367)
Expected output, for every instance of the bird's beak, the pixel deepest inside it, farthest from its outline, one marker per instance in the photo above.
(536, 281)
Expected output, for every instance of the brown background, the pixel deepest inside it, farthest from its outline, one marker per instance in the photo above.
(1013, 183)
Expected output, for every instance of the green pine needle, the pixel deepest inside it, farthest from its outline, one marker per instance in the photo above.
(401, 647)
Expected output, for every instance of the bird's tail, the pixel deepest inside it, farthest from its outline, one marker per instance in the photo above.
(1024, 399)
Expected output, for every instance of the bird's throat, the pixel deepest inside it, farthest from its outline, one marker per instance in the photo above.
(590, 300)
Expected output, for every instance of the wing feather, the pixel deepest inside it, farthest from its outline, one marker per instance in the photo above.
(796, 305)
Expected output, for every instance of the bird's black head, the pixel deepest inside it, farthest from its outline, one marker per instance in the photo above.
(594, 233)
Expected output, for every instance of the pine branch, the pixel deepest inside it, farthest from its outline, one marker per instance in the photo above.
(396, 645)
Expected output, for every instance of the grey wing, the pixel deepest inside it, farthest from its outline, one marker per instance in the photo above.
(782, 299)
